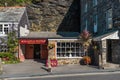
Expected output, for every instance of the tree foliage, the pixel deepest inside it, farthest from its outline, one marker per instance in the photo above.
(12, 42)
(14, 2)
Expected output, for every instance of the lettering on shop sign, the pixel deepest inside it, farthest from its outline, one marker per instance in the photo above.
(25, 41)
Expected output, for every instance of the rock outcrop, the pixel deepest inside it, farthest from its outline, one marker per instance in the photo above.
(55, 15)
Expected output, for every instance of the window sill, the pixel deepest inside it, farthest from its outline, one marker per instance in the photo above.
(3, 35)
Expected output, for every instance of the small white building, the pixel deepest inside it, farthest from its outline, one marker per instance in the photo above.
(12, 19)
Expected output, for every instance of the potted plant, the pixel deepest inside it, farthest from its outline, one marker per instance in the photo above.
(86, 60)
(85, 39)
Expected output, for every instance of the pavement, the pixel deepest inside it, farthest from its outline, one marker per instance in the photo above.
(30, 68)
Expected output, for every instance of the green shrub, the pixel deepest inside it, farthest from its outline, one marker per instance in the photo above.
(8, 58)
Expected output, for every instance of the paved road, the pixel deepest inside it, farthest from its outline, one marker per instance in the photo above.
(106, 76)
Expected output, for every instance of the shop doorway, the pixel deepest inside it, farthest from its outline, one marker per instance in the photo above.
(29, 51)
(109, 51)
(37, 51)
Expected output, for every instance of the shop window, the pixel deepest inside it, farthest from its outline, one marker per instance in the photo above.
(69, 50)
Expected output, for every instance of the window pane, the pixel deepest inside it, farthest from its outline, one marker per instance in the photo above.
(86, 7)
(95, 19)
(109, 19)
(69, 49)
(6, 30)
(95, 2)
(5, 24)
(86, 24)
(1, 28)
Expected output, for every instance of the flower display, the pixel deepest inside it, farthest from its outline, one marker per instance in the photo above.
(51, 46)
(85, 35)
(85, 39)
(87, 60)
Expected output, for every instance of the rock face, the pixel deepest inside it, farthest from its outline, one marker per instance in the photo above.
(55, 15)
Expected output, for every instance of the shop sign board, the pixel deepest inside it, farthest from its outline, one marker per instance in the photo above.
(32, 41)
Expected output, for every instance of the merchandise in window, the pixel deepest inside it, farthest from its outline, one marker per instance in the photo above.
(69, 50)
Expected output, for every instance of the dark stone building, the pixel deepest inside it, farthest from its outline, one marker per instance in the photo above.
(98, 16)
(102, 19)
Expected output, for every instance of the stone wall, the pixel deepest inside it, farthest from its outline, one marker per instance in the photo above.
(69, 61)
(55, 15)
(63, 61)
(100, 10)
(104, 52)
(51, 51)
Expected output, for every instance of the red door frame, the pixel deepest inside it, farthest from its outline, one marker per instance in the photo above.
(29, 44)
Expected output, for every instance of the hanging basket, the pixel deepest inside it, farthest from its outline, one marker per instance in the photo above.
(51, 46)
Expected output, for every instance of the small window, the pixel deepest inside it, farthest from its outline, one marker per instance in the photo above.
(6, 25)
(86, 25)
(86, 7)
(1, 28)
(95, 21)
(95, 2)
(109, 20)
(6, 30)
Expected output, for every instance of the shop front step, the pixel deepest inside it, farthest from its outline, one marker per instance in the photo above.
(111, 66)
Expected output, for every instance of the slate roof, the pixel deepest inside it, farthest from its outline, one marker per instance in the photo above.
(11, 14)
(53, 35)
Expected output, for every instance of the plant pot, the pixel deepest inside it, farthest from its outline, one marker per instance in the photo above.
(87, 60)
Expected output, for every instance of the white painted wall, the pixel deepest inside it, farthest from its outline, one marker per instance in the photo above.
(24, 31)
(112, 36)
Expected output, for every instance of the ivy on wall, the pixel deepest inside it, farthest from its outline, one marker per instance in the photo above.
(12, 42)
(1, 40)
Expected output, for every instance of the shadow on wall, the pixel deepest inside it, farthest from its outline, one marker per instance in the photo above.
(71, 21)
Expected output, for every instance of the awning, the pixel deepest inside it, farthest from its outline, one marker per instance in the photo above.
(32, 41)
(109, 35)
